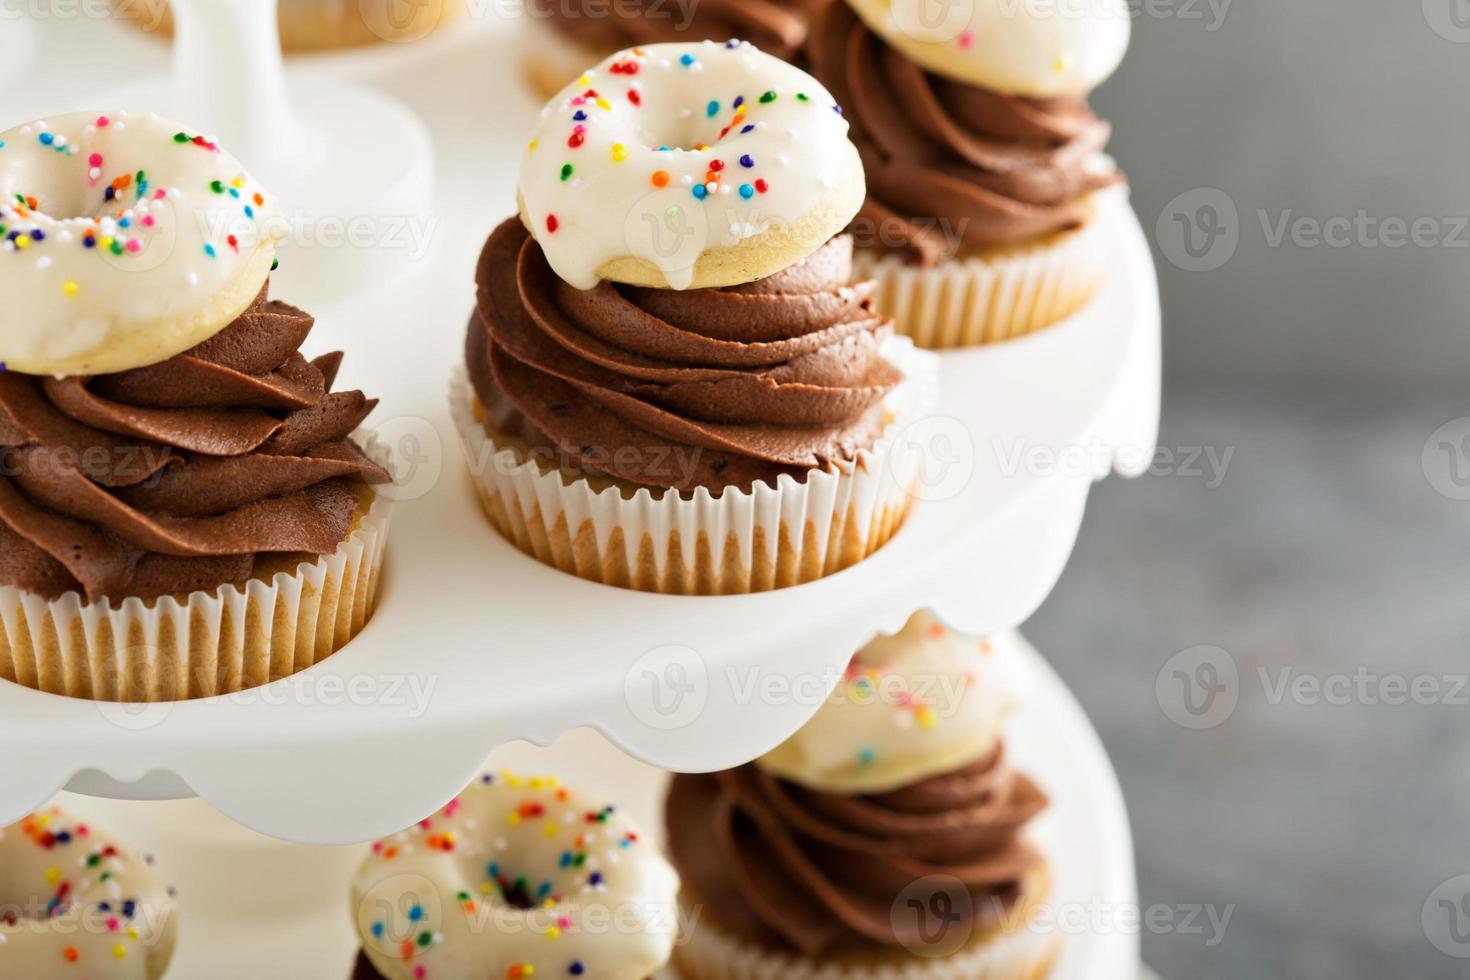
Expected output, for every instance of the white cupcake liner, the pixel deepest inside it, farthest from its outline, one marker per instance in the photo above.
(1020, 952)
(209, 643)
(698, 543)
(981, 300)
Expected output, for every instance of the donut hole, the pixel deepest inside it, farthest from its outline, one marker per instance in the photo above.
(59, 187)
(683, 130)
(517, 894)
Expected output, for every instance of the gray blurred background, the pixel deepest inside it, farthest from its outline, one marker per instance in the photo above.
(1328, 817)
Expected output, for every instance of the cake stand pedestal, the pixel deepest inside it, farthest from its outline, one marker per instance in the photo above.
(350, 169)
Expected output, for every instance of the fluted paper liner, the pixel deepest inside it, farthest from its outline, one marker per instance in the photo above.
(981, 300)
(208, 643)
(1016, 950)
(698, 543)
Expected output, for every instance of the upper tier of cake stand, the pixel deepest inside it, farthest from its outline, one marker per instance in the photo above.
(475, 644)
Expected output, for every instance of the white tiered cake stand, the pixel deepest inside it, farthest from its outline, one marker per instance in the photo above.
(475, 645)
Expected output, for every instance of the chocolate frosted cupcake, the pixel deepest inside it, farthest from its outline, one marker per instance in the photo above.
(885, 839)
(602, 399)
(170, 526)
(985, 164)
(568, 35)
(722, 419)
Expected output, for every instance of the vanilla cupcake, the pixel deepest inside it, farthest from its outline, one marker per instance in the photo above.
(885, 839)
(719, 417)
(183, 508)
(568, 35)
(986, 171)
(323, 25)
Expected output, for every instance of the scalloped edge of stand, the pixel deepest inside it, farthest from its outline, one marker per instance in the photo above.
(1085, 830)
(984, 557)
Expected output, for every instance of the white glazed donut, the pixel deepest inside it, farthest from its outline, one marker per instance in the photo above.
(1037, 48)
(75, 902)
(923, 702)
(124, 239)
(688, 166)
(517, 878)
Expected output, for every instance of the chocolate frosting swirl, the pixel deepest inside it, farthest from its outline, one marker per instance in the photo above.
(951, 167)
(680, 389)
(178, 476)
(778, 27)
(814, 873)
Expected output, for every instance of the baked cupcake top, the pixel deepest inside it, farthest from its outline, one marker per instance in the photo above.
(954, 167)
(777, 26)
(705, 388)
(899, 784)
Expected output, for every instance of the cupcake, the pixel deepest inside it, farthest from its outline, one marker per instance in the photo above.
(985, 165)
(183, 508)
(568, 35)
(885, 839)
(721, 417)
(75, 902)
(517, 877)
(324, 25)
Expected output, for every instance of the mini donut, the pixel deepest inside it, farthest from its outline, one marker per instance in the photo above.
(923, 702)
(688, 166)
(517, 878)
(1035, 48)
(75, 902)
(125, 239)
